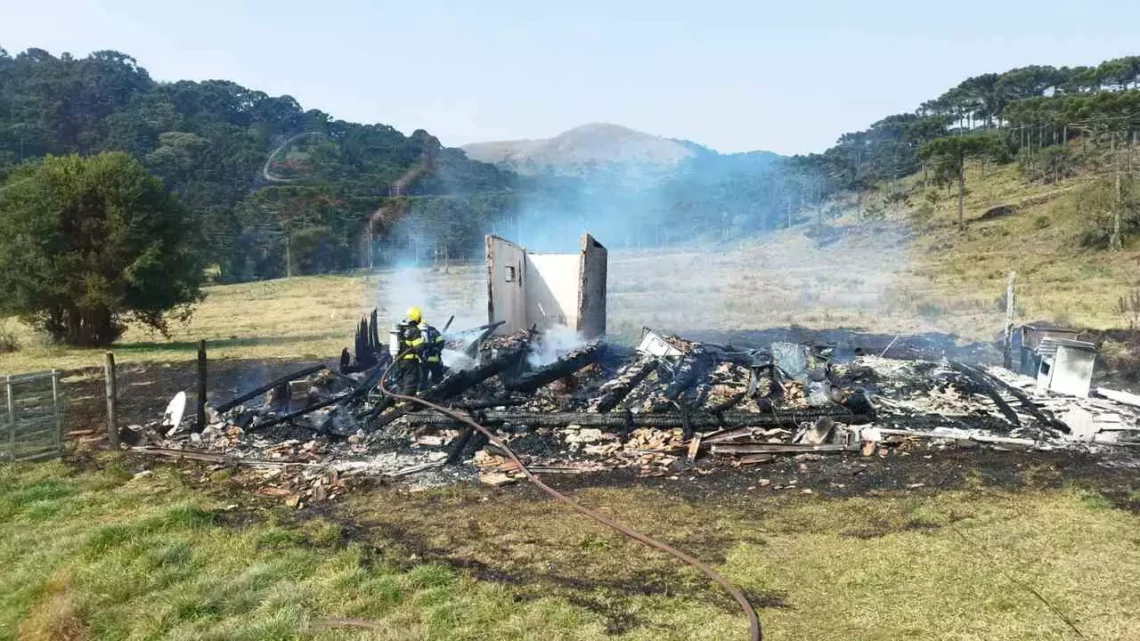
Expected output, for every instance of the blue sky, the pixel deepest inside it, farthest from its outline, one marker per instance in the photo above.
(734, 75)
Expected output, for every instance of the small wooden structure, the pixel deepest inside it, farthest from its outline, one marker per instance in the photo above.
(1029, 336)
(31, 416)
(1066, 366)
(526, 289)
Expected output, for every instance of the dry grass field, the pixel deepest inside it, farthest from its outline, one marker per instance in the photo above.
(780, 281)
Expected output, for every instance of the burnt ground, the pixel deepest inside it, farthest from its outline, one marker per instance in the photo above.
(916, 473)
(516, 536)
(145, 389)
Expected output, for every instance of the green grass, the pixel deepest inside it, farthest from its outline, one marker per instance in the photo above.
(98, 554)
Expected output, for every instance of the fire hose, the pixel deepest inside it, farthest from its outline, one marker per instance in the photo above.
(735, 592)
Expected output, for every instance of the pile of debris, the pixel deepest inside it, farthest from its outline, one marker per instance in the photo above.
(655, 409)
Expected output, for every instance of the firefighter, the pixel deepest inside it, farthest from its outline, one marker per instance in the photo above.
(432, 355)
(410, 353)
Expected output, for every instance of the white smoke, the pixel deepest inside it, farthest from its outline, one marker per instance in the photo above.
(456, 359)
(554, 343)
(400, 290)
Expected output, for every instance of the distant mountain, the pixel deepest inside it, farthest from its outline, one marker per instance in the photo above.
(587, 148)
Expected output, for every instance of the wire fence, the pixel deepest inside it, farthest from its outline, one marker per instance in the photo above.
(32, 424)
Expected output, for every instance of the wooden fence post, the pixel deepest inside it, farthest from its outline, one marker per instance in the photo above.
(55, 410)
(112, 402)
(201, 385)
(11, 419)
(1010, 309)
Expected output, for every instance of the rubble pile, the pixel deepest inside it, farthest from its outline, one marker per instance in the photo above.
(670, 403)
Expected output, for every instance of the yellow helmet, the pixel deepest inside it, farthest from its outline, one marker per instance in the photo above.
(415, 315)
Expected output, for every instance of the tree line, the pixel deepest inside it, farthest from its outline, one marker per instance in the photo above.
(1030, 114)
(221, 150)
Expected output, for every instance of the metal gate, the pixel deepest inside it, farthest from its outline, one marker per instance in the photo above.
(31, 423)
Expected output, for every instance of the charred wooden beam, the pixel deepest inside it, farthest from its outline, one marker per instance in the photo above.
(669, 420)
(473, 349)
(241, 398)
(368, 383)
(308, 409)
(627, 379)
(689, 372)
(984, 381)
(470, 443)
(452, 385)
(563, 367)
(212, 457)
(456, 454)
(728, 403)
(736, 434)
(502, 401)
(460, 381)
(374, 332)
(685, 377)
(773, 448)
(1027, 404)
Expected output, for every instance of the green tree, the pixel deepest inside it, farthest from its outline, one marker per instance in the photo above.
(90, 244)
(952, 153)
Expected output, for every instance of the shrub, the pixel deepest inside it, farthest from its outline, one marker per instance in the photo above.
(874, 213)
(111, 246)
(1095, 206)
(8, 342)
(931, 311)
(922, 215)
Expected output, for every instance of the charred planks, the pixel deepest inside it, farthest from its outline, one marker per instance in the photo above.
(241, 398)
(530, 382)
(455, 383)
(664, 420)
(629, 377)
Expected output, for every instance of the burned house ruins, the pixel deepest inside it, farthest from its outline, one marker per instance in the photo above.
(730, 400)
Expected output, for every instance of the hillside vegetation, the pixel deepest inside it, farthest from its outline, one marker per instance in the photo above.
(256, 171)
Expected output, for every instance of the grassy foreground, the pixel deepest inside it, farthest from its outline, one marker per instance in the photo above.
(100, 554)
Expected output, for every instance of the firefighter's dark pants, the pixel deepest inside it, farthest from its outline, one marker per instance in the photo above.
(408, 376)
(433, 373)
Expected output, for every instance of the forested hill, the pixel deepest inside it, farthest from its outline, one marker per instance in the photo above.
(1016, 113)
(210, 139)
(211, 143)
